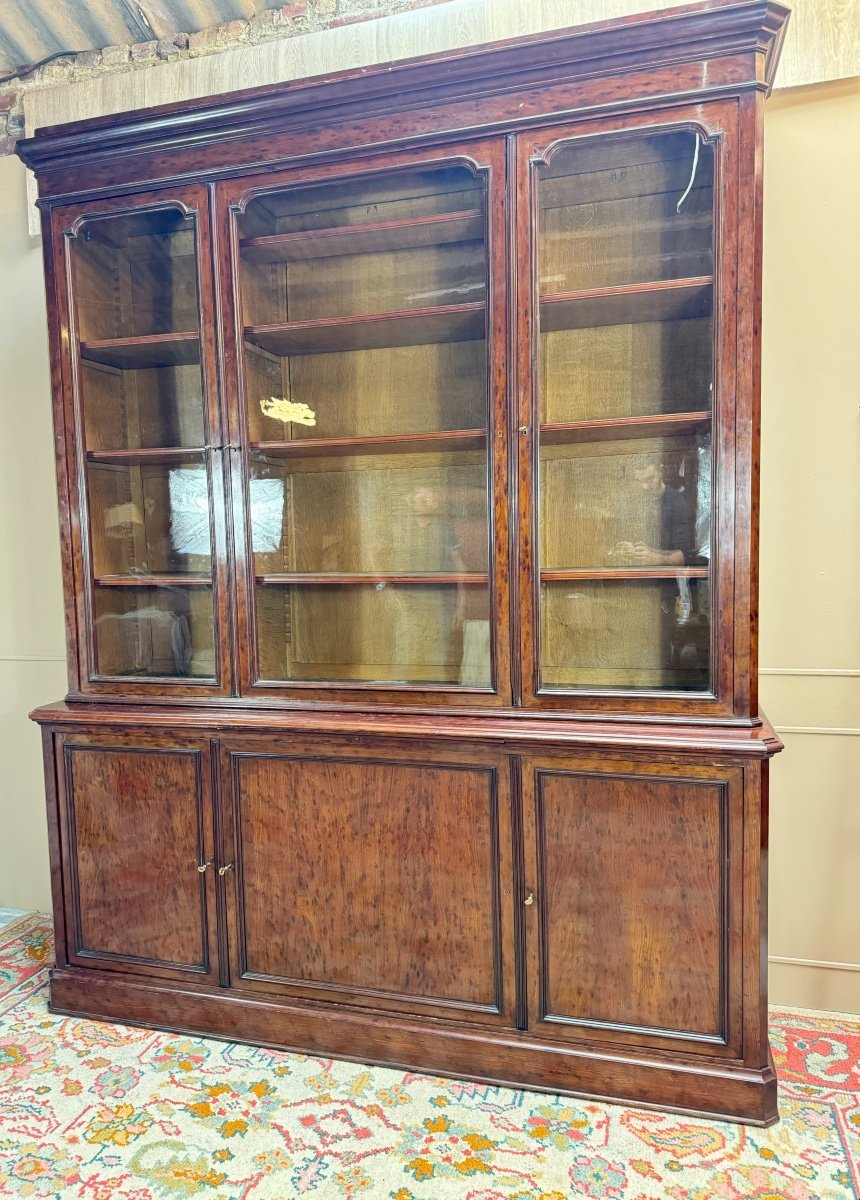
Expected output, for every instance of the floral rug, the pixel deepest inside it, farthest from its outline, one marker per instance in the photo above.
(106, 1112)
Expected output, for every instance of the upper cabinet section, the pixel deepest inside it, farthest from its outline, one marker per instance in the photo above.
(364, 319)
(431, 384)
(625, 382)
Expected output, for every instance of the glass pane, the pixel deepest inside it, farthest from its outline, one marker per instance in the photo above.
(609, 216)
(364, 307)
(149, 520)
(626, 367)
(142, 410)
(148, 487)
(398, 513)
(154, 631)
(626, 634)
(375, 633)
(136, 304)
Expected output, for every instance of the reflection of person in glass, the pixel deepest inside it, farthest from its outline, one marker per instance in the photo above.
(672, 541)
(676, 532)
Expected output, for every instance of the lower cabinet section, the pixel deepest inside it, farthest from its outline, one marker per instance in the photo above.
(585, 922)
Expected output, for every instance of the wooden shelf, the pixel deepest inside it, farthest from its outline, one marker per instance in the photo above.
(427, 577)
(390, 443)
(156, 454)
(152, 350)
(624, 573)
(409, 327)
(152, 581)
(410, 233)
(629, 304)
(619, 428)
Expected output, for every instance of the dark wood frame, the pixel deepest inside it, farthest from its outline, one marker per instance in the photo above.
(707, 66)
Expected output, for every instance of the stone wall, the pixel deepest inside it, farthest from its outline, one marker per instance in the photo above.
(291, 20)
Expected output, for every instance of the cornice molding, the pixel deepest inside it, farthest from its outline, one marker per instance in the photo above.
(644, 42)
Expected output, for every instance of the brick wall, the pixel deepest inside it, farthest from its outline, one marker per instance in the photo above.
(291, 20)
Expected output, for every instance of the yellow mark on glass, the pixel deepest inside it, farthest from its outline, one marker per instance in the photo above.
(287, 411)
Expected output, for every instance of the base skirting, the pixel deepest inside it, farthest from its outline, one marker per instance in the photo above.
(721, 1091)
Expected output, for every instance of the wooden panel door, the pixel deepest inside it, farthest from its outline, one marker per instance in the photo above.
(635, 915)
(138, 855)
(373, 879)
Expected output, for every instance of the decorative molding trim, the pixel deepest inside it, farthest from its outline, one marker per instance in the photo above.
(836, 672)
(824, 730)
(818, 964)
(32, 658)
(634, 43)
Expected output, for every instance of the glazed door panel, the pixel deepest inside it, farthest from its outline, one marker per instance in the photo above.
(627, 364)
(380, 882)
(633, 934)
(148, 450)
(369, 309)
(138, 855)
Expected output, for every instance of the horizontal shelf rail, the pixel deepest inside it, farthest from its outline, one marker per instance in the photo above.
(410, 233)
(152, 581)
(627, 304)
(619, 428)
(427, 577)
(623, 573)
(148, 350)
(149, 454)
(375, 331)
(387, 443)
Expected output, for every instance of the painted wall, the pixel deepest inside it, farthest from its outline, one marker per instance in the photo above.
(810, 560)
(32, 650)
(810, 580)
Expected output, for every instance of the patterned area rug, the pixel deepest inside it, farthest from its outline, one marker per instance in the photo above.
(106, 1112)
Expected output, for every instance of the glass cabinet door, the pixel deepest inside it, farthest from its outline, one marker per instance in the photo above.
(624, 257)
(364, 319)
(146, 437)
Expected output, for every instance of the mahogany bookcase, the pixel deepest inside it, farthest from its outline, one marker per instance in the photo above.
(407, 435)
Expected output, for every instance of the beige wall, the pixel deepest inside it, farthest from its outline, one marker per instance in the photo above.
(810, 560)
(32, 664)
(810, 582)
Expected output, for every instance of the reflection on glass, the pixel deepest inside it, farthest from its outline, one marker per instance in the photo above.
(626, 634)
(366, 399)
(154, 631)
(626, 403)
(149, 520)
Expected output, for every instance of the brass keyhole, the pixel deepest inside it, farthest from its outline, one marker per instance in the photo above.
(530, 899)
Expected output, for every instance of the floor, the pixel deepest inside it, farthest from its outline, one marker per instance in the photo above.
(92, 1111)
(8, 915)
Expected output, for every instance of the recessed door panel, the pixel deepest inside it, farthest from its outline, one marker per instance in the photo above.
(635, 881)
(381, 883)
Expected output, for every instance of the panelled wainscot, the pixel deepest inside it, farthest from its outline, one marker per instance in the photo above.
(407, 428)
